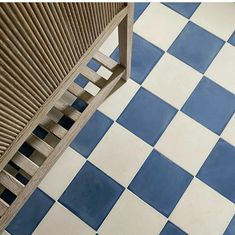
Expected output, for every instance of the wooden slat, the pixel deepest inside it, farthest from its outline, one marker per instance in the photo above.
(40, 145)
(77, 91)
(53, 127)
(68, 110)
(3, 207)
(92, 76)
(25, 163)
(10, 182)
(106, 61)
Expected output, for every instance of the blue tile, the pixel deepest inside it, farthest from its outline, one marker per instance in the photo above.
(218, 171)
(184, 8)
(144, 56)
(139, 9)
(171, 229)
(232, 39)
(8, 196)
(81, 80)
(160, 183)
(40, 132)
(91, 195)
(147, 116)
(91, 134)
(26, 149)
(231, 227)
(66, 122)
(80, 105)
(211, 105)
(94, 65)
(196, 47)
(30, 214)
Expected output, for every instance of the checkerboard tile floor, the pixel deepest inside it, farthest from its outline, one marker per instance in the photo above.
(158, 157)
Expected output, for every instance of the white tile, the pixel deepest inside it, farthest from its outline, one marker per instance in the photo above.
(186, 142)
(92, 88)
(116, 102)
(201, 210)
(105, 73)
(60, 221)
(217, 18)
(222, 69)
(5, 233)
(159, 25)
(132, 216)
(229, 131)
(172, 80)
(62, 173)
(110, 44)
(120, 154)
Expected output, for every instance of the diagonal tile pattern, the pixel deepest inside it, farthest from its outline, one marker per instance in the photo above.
(158, 157)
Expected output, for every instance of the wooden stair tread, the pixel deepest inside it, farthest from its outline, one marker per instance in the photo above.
(68, 110)
(92, 76)
(77, 91)
(10, 182)
(106, 61)
(25, 163)
(53, 127)
(40, 145)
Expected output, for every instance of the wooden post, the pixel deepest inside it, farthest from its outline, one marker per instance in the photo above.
(125, 33)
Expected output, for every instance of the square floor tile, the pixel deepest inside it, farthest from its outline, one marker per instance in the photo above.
(120, 154)
(147, 116)
(139, 9)
(229, 131)
(232, 39)
(231, 227)
(160, 183)
(196, 47)
(91, 134)
(217, 18)
(116, 102)
(173, 87)
(184, 8)
(132, 216)
(211, 105)
(222, 69)
(201, 210)
(186, 142)
(60, 221)
(159, 25)
(171, 229)
(144, 56)
(91, 195)
(110, 43)
(71, 160)
(30, 214)
(218, 171)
